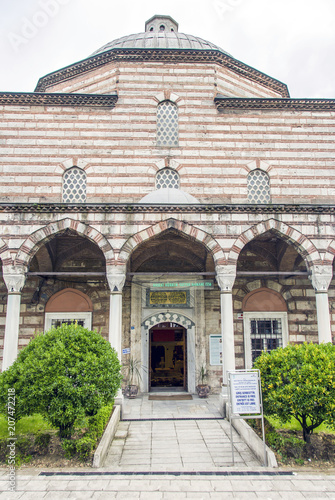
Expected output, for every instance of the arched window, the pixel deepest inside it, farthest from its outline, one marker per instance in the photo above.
(74, 186)
(264, 323)
(258, 183)
(167, 178)
(167, 124)
(68, 306)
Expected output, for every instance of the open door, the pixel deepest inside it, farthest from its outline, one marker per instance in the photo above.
(168, 363)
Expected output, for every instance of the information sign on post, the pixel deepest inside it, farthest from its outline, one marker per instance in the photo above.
(245, 399)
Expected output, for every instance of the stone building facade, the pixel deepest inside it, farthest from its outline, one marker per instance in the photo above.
(175, 199)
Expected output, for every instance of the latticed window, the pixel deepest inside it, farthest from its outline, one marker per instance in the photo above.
(167, 124)
(258, 187)
(266, 334)
(167, 178)
(74, 186)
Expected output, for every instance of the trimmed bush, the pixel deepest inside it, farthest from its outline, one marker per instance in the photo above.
(65, 375)
(299, 381)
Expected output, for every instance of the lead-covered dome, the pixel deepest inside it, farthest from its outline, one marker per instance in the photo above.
(167, 196)
(161, 32)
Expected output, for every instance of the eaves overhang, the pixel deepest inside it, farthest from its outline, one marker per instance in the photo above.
(57, 99)
(161, 55)
(223, 104)
(128, 208)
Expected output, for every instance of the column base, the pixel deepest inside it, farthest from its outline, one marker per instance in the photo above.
(119, 399)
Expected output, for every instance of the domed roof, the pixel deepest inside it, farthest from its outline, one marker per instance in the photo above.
(166, 196)
(161, 32)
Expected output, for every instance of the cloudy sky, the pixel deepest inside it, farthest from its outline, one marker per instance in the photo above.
(291, 40)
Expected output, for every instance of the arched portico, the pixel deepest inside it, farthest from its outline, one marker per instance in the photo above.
(274, 251)
(40, 237)
(183, 228)
(167, 270)
(64, 254)
(303, 245)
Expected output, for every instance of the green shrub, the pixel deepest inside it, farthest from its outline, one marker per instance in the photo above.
(69, 447)
(42, 441)
(299, 381)
(98, 422)
(65, 375)
(84, 446)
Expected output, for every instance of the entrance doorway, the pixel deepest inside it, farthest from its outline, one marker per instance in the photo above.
(167, 356)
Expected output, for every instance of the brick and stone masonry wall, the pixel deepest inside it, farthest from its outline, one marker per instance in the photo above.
(117, 147)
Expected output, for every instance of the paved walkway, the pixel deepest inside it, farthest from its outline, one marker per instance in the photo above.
(202, 437)
(72, 486)
(175, 436)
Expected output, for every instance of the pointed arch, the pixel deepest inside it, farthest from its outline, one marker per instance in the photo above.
(182, 227)
(5, 257)
(37, 239)
(303, 245)
(330, 254)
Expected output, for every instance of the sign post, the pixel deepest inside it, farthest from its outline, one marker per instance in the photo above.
(245, 400)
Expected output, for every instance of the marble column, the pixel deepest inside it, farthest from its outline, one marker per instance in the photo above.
(321, 278)
(116, 279)
(14, 279)
(225, 277)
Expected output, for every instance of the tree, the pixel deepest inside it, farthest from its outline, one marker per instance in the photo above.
(299, 381)
(65, 374)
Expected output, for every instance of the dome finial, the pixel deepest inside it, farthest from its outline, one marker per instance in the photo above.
(161, 23)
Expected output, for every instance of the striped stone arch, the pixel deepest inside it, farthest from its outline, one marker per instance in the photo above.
(5, 257)
(37, 239)
(186, 229)
(303, 245)
(167, 317)
(329, 254)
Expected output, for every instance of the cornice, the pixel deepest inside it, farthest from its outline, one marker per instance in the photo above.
(226, 103)
(161, 55)
(267, 209)
(57, 99)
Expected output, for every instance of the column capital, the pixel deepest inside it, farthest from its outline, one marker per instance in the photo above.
(116, 277)
(321, 278)
(14, 278)
(225, 276)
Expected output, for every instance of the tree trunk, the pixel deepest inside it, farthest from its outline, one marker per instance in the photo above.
(306, 435)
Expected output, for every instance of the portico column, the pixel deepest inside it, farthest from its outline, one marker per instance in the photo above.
(14, 279)
(225, 277)
(321, 278)
(116, 280)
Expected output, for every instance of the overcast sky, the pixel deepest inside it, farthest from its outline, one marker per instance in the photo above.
(291, 40)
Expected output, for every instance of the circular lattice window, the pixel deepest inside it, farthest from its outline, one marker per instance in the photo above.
(167, 124)
(167, 178)
(74, 186)
(258, 187)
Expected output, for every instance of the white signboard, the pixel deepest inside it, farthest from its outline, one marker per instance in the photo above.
(245, 396)
(215, 349)
(126, 350)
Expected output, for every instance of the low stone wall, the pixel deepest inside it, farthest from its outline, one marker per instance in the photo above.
(107, 438)
(254, 442)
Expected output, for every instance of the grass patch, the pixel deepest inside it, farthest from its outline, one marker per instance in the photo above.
(34, 424)
(293, 425)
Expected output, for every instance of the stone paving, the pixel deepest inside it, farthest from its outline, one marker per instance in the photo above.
(174, 459)
(196, 438)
